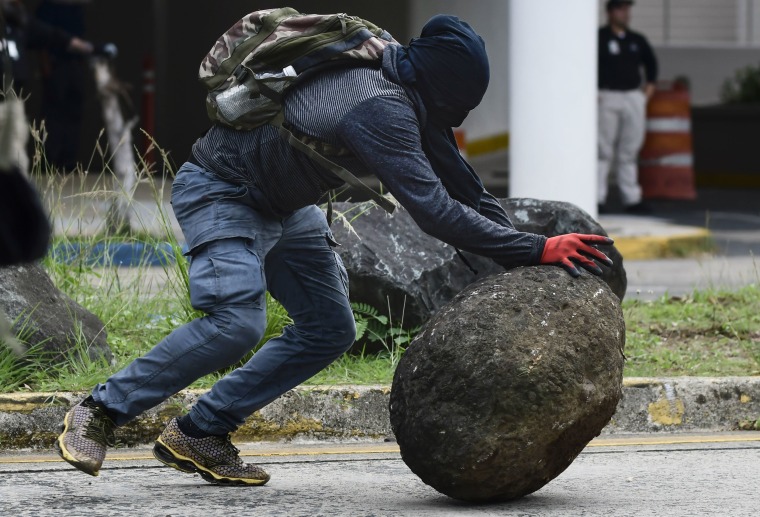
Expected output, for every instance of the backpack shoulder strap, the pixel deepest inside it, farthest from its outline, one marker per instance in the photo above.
(279, 122)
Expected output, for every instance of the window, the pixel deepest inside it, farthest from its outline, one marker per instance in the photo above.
(719, 23)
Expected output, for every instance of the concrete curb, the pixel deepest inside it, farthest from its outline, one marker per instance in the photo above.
(648, 247)
(683, 404)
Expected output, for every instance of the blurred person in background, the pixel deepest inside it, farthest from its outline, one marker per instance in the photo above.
(623, 96)
(63, 83)
(24, 226)
(24, 33)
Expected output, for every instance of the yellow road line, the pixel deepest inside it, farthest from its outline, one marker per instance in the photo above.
(674, 440)
(286, 451)
(489, 144)
(283, 452)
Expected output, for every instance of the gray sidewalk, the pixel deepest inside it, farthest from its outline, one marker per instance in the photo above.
(729, 218)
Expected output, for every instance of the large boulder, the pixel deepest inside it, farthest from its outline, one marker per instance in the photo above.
(506, 385)
(46, 316)
(392, 263)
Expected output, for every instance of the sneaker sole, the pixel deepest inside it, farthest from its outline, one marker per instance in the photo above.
(167, 456)
(66, 455)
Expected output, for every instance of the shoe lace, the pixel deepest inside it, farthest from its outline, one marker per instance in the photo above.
(228, 443)
(100, 428)
(229, 449)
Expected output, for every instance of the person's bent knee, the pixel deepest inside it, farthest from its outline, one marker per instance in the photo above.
(241, 329)
(340, 333)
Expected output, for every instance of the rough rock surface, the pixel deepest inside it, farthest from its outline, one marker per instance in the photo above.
(507, 384)
(392, 263)
(47, 316)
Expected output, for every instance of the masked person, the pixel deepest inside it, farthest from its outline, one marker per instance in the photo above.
(246, 203)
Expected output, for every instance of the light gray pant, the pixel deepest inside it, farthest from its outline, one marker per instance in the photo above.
(622, 125)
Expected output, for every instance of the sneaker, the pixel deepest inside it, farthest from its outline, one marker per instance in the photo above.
(213, 457)
(87, 432)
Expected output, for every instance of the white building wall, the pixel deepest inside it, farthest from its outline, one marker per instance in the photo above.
(706, 68)
(696, 22)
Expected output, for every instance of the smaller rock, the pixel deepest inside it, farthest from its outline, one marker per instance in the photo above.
(46, 316)
(392, 264)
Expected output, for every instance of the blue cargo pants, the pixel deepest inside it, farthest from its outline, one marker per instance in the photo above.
(236, 256)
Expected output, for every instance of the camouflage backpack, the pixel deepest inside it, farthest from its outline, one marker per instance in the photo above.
(253, 64)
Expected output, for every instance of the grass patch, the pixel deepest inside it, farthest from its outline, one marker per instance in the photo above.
(708, 333)
(358, 369)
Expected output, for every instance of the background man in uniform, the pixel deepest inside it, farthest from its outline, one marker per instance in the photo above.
(622, 103)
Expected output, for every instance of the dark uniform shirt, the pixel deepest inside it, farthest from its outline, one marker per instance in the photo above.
(621, 58)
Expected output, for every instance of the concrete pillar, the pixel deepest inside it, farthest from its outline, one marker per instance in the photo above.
(553, 106)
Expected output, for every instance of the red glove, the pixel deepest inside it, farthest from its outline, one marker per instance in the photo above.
(573, 249)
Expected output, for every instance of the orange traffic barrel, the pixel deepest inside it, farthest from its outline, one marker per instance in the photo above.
(461, 139)
(666, 160)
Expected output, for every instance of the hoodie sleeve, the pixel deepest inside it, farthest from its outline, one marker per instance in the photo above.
(383, 132)
(492, 209)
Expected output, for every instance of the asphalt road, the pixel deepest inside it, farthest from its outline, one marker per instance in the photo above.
(733, 219)
(652, 279)
(651, 475)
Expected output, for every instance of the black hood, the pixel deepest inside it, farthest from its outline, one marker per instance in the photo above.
(446, 70)
(448, 66)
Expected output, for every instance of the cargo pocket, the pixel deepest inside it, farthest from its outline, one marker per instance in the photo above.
(226, 272)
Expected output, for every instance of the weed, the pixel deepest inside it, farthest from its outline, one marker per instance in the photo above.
(707, 333)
